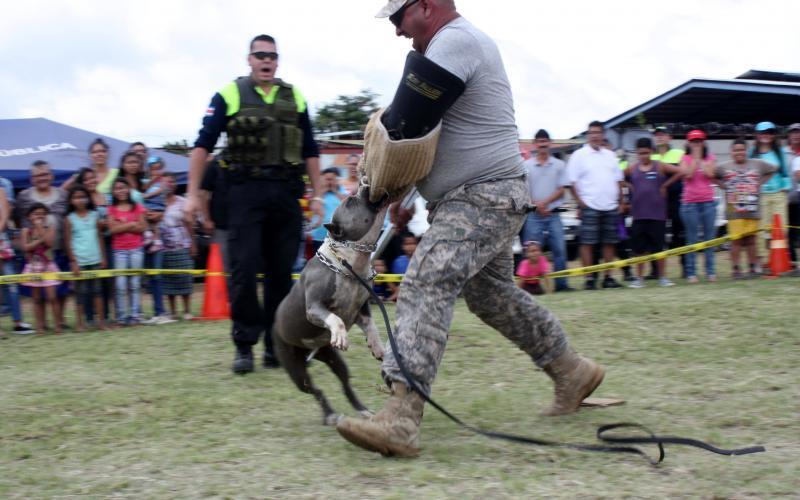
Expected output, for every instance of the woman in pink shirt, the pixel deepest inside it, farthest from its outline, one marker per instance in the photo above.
(532, 270)
(698, 208)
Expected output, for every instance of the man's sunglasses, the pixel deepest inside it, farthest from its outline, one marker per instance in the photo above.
(397, 17)
(260, 55)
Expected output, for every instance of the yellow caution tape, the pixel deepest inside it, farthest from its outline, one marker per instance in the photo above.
(617, 264)
(381, 278)
(90, 275)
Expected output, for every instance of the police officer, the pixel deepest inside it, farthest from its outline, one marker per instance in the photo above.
(269, 146)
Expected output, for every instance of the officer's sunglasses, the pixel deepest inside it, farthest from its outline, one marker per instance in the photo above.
(397, 17)
(261, 55)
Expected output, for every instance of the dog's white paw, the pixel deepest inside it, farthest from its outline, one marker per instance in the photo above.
(339, 339)
(338, 332)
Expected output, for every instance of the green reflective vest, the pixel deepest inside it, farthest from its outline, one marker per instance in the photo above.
(264, 128)
(672, 157)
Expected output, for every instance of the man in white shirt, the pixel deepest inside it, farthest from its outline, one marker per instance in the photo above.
(597, 188)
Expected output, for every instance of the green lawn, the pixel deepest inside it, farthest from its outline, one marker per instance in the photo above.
(154, 412)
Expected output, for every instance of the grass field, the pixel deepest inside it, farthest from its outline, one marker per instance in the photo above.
(154, 412)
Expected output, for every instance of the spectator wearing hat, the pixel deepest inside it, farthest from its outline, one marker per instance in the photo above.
(791, 153)
(596, 183)
(547, 180)
(698, 207)
(665, 154)
(153, 199)
(334, 194)
(774, 192)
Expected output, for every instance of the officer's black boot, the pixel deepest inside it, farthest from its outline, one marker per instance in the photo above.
(270, 360)
(243, 362)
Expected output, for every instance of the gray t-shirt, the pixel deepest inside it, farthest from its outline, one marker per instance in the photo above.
(479, 140)
(545, 179)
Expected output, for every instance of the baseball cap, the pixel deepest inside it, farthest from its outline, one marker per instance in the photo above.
(793, 127)
(764, 126)
(390, 8)
(661, 130)
(696, 134)
(542, 134)
(154, 159)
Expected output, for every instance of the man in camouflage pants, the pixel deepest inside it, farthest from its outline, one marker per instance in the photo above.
(478, 195)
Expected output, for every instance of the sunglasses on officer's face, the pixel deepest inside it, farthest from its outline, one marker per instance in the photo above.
(397, 17)
(261, 55)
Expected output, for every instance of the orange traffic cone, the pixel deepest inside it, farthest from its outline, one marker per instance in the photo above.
(778, 249)
(215, 299)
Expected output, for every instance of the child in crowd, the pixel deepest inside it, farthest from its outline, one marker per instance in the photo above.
(400, 264)
(82, 234)
(742, 179)
(180, 249)
(126, 224)
(154, 200)
(648, 181)
(380, 289)
(37, 242)
(533, 269)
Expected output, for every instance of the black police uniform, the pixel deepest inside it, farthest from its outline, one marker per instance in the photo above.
(269, 137)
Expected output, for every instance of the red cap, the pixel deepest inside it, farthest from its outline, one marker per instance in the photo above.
(696, 134)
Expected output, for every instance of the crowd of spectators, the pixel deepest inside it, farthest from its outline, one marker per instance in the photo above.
(130, 217)
(665, 193)
(103, 217)
(662, 189)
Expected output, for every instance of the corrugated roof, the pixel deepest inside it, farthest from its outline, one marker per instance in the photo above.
(776, 76)
(722, 101)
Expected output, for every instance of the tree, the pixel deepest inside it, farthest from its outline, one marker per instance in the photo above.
(178, 147)
(347, 112)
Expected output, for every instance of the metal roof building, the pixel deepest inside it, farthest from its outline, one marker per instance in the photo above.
(724, 109)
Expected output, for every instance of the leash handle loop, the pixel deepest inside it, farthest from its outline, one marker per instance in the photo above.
(601, 431)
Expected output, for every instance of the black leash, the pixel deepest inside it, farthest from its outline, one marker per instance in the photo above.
(601, 431)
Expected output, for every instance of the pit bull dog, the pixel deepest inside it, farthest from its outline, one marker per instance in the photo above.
(313, 320)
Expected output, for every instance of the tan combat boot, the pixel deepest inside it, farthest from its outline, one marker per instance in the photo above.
(393, 431)
(575, 378)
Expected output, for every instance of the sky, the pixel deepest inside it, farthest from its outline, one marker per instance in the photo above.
(146, 70)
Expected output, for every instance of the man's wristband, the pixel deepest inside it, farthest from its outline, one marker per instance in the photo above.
(317, 198)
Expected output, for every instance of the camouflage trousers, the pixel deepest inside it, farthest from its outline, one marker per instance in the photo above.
(468, 249)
